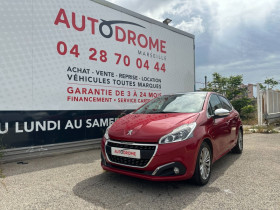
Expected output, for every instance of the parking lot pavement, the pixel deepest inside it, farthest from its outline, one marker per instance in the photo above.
(76, 181)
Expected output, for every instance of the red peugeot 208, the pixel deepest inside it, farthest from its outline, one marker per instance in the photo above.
(173, 137)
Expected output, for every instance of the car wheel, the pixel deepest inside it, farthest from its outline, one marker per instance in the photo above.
(239, 145)
(203, 165)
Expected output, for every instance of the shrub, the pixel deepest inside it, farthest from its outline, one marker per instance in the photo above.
(247, 112)
(239, 103)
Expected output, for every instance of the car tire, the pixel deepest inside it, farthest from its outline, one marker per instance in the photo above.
(203, 165)
(239, 144)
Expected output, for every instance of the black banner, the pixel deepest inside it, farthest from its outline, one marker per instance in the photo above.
(32, 128)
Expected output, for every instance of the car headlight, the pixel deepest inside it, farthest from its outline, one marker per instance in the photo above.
(179, 134)
(106, 135)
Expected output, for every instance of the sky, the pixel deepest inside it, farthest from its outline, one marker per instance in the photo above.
(232, 37)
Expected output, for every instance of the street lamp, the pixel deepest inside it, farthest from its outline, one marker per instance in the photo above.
(167, 21)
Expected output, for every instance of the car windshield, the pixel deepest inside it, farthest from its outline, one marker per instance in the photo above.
(179, 103)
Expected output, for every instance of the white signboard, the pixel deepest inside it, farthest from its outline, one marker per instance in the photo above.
(81, 55)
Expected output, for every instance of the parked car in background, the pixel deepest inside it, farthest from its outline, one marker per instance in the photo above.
(173, 137)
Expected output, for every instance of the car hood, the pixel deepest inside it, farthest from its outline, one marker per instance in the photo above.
(148, 127)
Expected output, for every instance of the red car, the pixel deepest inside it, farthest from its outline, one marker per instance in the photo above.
(173, 137)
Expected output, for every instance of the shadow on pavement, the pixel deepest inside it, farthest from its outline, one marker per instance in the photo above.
(114, 191)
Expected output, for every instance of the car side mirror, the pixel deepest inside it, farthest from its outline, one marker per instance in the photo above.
(221, 113)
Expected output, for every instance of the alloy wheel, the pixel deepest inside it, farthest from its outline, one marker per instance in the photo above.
(204, 163)
(240, 140)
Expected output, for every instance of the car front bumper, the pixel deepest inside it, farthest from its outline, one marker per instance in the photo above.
(170, 162)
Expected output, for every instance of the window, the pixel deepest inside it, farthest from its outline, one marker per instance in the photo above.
(214, 104)
(225, 103)
(179, 103)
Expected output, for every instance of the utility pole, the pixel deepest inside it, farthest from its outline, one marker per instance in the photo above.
(260, 104)
(205, 81)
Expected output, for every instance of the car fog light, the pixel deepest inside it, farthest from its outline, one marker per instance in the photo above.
(176, 170)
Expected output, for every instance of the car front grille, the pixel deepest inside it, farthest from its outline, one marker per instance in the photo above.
(146, 153)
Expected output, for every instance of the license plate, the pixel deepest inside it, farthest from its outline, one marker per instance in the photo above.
(123, 152)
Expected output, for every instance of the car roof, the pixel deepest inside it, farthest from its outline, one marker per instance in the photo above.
(207, 92)
(189, 92)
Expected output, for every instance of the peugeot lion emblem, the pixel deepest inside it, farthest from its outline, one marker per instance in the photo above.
(129, 132)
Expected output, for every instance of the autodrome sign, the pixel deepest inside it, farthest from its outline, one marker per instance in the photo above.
(66, 62)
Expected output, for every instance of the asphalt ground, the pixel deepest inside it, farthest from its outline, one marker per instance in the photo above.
(76, 181)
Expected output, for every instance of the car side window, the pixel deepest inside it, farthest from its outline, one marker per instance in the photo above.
(210, 112)
(214, 103)
(225, 103)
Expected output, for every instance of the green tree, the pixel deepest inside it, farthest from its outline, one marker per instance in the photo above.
(271, 83)
(231, 87)
(262, 87)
